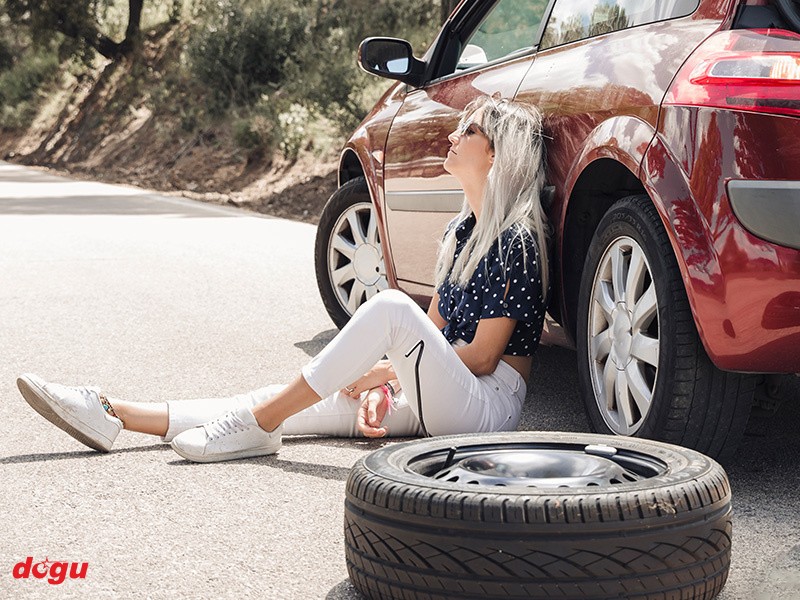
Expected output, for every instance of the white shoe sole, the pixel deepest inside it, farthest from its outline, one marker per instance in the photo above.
(222, 457)
(41, 402)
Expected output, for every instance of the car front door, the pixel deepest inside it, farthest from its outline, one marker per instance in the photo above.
(494, 43)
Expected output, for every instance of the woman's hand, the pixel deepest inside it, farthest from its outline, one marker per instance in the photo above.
(375, 377)
(371, 414)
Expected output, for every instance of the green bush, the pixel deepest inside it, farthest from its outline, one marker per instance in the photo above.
(293, 126)
(255, 127)
(242, 52)
(245, 135)
(20, 84)
(280, 74)
(304, 49)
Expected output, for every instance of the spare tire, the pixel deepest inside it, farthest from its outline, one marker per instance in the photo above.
(537, 515)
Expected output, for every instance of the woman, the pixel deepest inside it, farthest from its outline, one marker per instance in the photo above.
(462, 368)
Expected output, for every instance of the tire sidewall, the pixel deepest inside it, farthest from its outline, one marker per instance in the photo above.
(629, 217)
(392, 463)
(352, 192)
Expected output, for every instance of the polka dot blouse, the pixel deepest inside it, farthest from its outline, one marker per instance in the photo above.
(507, 283)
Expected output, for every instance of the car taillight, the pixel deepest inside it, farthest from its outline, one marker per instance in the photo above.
(754, 70)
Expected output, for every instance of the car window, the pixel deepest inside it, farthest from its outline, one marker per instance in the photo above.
(510, 27)
(578, 19)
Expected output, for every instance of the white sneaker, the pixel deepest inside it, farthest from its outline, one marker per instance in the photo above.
(76, 410)
(235, 435)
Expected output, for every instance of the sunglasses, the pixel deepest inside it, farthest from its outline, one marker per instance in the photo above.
(470, 127)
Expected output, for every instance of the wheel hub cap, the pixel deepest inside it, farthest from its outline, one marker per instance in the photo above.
(367, 264)
(621, 336)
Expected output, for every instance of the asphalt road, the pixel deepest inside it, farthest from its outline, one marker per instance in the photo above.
(153, 298)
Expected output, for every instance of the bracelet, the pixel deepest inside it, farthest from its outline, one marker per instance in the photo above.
(107, 405)
(388, 397)
(391, 389)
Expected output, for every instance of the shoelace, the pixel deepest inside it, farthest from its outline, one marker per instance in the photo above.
(89, 394)
(223, 426)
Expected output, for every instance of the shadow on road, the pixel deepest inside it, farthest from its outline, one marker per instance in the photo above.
(315, 345)
(83, 455)
(322, 471)
(343, 591)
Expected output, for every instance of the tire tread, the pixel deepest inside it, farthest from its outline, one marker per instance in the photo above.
(411, 541)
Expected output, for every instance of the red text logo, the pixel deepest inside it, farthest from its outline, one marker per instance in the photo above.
(55, 572)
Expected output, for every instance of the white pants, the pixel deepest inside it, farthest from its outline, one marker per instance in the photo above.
(447, 398)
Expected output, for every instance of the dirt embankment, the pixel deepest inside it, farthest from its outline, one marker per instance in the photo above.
(105, 126)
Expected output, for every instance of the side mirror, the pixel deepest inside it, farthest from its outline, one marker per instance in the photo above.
(391, 58)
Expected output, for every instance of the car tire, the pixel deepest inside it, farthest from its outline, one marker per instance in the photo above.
(642, 368)
(537, 515)
(348, 255)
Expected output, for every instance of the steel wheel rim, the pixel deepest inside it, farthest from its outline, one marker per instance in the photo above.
(356, 268)
(623, 336)
(537, 465)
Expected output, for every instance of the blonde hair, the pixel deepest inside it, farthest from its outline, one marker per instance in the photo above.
(511, 198)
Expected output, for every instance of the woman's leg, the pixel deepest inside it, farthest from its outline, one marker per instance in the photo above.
(453, 400)
(430, 371)
(333, 416)
(295, 397)
(143, 417)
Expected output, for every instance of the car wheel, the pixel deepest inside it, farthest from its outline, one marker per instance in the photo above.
(642, 368)
(537, 515)
(348, 255)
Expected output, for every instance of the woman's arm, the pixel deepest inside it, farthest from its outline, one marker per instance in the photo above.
(491, 338)
(378, 375)
(433, 312)
(488, 346)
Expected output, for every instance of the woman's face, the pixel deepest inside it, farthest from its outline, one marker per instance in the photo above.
(470, 156)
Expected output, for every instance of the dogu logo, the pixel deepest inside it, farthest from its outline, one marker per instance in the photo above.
(55, 572)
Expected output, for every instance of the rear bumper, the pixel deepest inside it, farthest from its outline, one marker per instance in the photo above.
(753, 325)
(724, 183)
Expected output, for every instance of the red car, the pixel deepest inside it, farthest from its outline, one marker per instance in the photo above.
(674, 192)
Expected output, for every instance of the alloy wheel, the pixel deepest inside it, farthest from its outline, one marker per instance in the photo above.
(623, 336)
(356, 265)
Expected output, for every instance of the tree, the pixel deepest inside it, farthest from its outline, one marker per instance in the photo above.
(77, 19)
